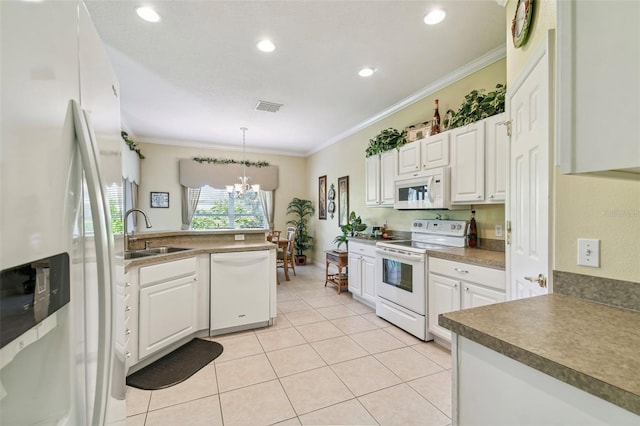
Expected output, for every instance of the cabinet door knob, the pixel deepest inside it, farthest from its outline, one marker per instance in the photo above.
(466, 289)
(128, 355)
(127, 309)
(127, 284)
(479, 197)
(127, 332)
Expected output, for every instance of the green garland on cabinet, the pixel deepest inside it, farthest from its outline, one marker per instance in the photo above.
(210, 160)
(132, 145)
(477, 105)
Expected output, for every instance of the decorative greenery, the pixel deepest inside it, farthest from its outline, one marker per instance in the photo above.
(230, 161)
(478, 105)
(387, 139)
(354, 226)
(132, 145)
(303, 209)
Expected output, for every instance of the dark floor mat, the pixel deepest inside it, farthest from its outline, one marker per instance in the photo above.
(177, 366)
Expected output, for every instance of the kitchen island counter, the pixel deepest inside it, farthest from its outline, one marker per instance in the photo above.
(591, 346)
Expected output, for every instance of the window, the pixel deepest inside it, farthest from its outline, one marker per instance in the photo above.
(216, 210)
(115, 200)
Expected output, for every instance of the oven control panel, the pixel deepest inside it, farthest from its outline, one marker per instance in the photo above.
(455, 228)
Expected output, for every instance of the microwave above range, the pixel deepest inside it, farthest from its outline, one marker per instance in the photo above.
(430, 190)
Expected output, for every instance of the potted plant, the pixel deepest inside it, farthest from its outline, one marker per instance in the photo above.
(352, 227)
(302, 209)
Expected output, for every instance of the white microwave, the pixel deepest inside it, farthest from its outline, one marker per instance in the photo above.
(430, 190)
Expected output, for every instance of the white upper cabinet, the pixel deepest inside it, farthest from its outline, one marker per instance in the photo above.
(380, 172)
(467, 164)
(495, 159)
(409, 158)
(434, 151)
(424, 154)
(598, 87)
(479, 162)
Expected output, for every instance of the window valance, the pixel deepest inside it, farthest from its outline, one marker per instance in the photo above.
(196, 175)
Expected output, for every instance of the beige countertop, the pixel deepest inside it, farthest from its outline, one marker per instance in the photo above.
(480, 257)
(591, 346)
(197, 248)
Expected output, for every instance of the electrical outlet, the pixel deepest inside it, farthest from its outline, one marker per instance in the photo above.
(239, 237)
(589, 252)
(498, 230)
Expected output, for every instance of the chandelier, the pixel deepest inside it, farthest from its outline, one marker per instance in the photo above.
(243, 189)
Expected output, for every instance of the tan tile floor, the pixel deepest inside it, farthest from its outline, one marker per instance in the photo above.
(328, 360)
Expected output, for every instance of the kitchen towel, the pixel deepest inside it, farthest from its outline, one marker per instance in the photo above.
(176, 366)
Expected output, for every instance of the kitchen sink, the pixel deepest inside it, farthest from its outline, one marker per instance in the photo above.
(135, 254)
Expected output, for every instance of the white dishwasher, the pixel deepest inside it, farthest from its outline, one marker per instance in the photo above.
(239, 290)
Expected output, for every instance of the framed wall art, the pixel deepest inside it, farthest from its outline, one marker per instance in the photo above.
(322, 197)
(160, 200)
(331, 207)
(343, 200)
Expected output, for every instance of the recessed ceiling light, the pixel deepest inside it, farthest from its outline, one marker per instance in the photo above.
(266, 46)
(434, 17)
(148, 14)
(366, 72)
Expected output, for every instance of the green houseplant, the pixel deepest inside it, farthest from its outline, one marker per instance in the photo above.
(302, 209)
(387, 139)
(477, 105)
(352, 227)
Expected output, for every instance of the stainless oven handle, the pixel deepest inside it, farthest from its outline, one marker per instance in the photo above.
(401, 254)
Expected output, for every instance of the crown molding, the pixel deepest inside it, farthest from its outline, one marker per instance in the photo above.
(464, 71)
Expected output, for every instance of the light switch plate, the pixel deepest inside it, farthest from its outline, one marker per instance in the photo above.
(498, 230)
(589, 252)
(239, 237)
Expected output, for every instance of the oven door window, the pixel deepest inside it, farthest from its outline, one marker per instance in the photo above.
(397, 274)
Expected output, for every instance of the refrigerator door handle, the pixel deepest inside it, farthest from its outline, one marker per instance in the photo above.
(101, 227)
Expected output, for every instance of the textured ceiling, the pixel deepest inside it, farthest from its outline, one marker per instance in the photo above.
(196, 76)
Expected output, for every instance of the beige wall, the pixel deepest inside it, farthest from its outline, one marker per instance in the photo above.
(159, 172)
(347, 158)
(585, 206)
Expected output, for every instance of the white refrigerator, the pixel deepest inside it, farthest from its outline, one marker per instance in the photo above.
(61, 283)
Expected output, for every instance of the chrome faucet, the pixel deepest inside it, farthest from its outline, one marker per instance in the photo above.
(126, 235)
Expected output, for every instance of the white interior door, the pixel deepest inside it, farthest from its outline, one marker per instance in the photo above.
(530, 110)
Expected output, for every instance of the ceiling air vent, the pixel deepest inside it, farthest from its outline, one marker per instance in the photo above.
(268, 106)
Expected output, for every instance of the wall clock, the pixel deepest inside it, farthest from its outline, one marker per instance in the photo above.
(521, 22)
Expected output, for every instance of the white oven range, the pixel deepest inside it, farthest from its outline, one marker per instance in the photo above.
(402, 270)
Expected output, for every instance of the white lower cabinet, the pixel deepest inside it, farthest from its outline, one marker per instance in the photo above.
(362, 272)
(168, 298)
(456, 285)
(241, 289)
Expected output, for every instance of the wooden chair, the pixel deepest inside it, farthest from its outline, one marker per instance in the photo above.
(289, 263)
(274, 236)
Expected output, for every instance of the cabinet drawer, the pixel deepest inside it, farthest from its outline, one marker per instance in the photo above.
(362, 249)
(168, 271)
(489, 277)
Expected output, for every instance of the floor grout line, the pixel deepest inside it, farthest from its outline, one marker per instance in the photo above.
(303, 284)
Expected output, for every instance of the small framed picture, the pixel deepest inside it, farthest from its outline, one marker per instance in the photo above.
(322, 197)
(160, 200)
(343, 200)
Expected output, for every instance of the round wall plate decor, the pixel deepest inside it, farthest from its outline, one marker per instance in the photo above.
(521, 22)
